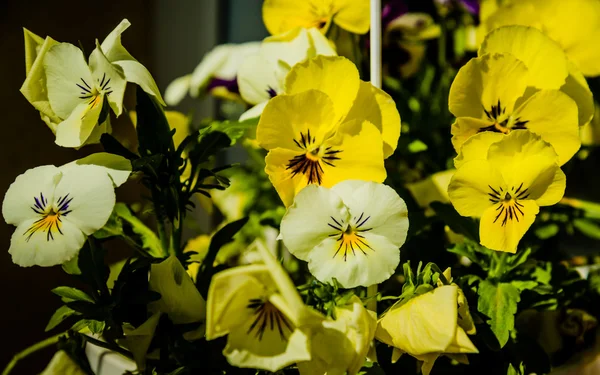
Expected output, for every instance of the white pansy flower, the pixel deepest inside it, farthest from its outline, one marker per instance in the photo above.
(351, 232)
(217, 70)
(54, 209)
(262, 76)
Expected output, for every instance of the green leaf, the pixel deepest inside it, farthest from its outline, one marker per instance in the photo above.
(91, 263)
(149, 239)
(59, 316)
(96, 326)
(71, 266)
(153, 131)
(547, 231)
(210, 143)
(459, 224)
(499, 303)
(524, 284)
(112, 228)
(69, 294)
(514, 371)
(219, 239)
(587, 227)
(235, 129)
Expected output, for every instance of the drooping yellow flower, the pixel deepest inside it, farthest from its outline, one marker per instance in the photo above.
(428, 326)
(262, 314)
(280, 16)
(340, 346)
(548, 67)
(573, 24)
(497, 93)
(352, 232)
(329, 126)
(506, 185)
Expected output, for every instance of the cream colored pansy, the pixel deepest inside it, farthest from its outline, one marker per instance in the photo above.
(493, 93)
(428, 326)
(547, 64)
(351, 232)
(340, 346)
(281, 16)
(117, 167)
(216, 73)
(262, 76)
(262, 314)
(180, 298)
(329, 126)
(54, 209)
(506, 185)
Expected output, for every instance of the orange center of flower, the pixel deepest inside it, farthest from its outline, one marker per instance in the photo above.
(348, 236)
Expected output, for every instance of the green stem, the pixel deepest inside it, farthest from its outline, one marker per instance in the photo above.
(442, 44)
(30, 350)
(162, 232)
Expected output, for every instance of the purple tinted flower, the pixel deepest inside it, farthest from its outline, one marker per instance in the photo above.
(472, 6)
(230, 84)
(392, 10)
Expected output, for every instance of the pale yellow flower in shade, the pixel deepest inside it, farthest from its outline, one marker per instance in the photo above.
(262, 76)
(199, 245)
(280, 16)
(426, 327)
(180, 299)
(138, 340)
(54, 210)
(340, 346)
(262, 314)
(352, 232)
(328, 127)
(62, 364)
(548, 68)
(573, 24)
(506, 185)
(215, 74)
(492, 93)
(432, 189)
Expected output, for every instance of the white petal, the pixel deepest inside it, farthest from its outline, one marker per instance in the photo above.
(322, 45)
(117, 167)
(41, 250)
(137, 73)
(237, 54)
(353, 266)
(177, 90)
(376, 206)
(111, 45)
(27, 187)
(92, 194)
(207, 68)
(313, 217)
(109, 79)
(253, 112)
(78, 127)
(256, 77)
(68, 78)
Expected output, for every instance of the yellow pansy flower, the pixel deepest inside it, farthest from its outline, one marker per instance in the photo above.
(573, 24)
(506, 185)
(352, 232)
(280, 16)
(547, 64)
(340, 346)
(329, 126)
(428, 326)
(262, 76)
(495, 93)
(262, 314)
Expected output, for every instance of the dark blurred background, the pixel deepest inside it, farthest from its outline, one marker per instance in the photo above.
(169, 37)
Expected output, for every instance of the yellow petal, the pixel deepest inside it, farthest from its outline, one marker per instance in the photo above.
(493, 79)
(543, 57)
(552, 115)
(361, 156)
(180, 298)
(464, 128)
(62, 364)
(138, 339)
(528, 166)
(477, 147)
(77, 128)
(33, 43)
(336, 76)
(352, 15)
(280, 16)
(377, 107)
(285, 183)
(502, 227)
(465, 320)
(577, 88)
(471, 186)
(461, 343)
(289, 120)
(425, 324)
